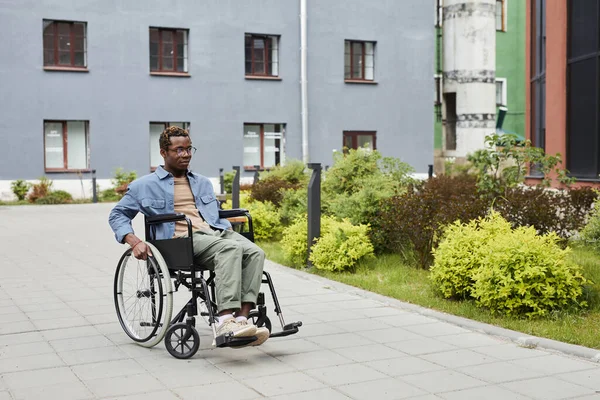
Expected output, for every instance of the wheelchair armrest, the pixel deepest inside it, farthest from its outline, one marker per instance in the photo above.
(162, 218)
(236, 212)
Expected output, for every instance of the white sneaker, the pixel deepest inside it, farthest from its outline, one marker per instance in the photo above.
(238, 329)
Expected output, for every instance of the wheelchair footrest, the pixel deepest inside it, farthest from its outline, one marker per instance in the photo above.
(228, 340)
(288, 329)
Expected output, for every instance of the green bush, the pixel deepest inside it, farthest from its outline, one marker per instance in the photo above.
(228, 181)
(109, 195)
(341, 247)
(265, 220)
(590, 234)
(121, 180)
(293, 172)
(415, 220)
(511, 271)
(561, 211)
(56, 197)
(20, 188)
(294, 203)
(295, 237)
(40, 189)
(271, 189)
(352, 171)
(457, 255)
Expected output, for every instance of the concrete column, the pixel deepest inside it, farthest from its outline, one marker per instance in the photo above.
(469, 66)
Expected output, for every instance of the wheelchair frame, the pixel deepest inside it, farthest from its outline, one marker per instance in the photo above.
(175, 256)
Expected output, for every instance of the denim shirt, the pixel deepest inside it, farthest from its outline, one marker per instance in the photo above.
(154, 194)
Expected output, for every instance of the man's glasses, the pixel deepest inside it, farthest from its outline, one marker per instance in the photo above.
(181, 151)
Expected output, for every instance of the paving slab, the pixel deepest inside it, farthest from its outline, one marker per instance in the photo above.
(60, 338)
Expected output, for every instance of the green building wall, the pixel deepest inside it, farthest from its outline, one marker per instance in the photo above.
(510, 64)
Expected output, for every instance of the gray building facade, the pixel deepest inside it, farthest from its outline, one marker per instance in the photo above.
(229, 68)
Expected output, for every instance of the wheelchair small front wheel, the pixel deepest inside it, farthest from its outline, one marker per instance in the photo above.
(182, 340)
(259, 321)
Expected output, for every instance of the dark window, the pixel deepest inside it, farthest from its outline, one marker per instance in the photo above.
(263, 145)
(168, 50)
(66, 145)
(359, 60)
(262, 55)
(450, 121)
(65, 44)
(360, 139)
(538, 74)
(583, 89)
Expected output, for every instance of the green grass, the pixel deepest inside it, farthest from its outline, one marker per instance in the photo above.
(391, 276)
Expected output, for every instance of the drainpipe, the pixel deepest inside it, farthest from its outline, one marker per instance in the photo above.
(303, 83)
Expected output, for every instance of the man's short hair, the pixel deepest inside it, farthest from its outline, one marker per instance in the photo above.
(165, 136)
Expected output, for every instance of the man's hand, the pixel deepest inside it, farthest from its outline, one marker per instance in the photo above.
(141, 251)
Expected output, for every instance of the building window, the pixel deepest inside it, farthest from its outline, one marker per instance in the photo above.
(156, 128)
(66, 145)
(262, 55)
(65, 44)
(437, 99)
(538, 74)
(501, 15)
(583, 88)
(263, 145)
(359, 60)
(168, 50)
(500, 91)
(360, 139)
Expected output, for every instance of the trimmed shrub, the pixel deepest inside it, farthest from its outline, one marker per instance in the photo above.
(271, 189)
(342, 247)
(265, 220)
(509, 271)
(457, 256)
(20, 188)
(415, 220)
(56, 197)
(561, 211)
(295, 237)
(109, 195)
(40, 189)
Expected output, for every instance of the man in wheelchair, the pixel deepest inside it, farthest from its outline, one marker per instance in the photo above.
(236, 261)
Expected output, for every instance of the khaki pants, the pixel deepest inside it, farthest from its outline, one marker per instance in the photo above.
(237, 263)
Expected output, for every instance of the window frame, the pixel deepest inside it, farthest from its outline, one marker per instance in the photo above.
(55, 64)
(268, 58)
(363, 43)
(504, 94)
(186, 125)
(504, 18)
(354, 136)
(262, 145)
(186, 43)
(65, 142)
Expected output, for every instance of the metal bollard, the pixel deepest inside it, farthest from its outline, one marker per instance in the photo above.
(430, 171)
(221, 180)
(314, 206)
(94, 194)
(235, 191)
(256, 173)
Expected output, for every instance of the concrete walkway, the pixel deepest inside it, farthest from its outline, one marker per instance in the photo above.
(60, 339)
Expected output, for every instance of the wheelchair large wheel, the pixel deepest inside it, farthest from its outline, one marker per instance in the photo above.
(143, 297)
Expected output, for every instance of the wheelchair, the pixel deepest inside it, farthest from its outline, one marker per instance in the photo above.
(143, 292)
